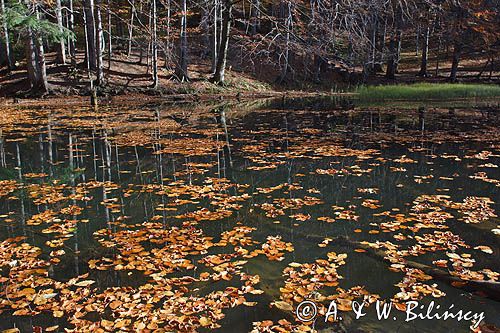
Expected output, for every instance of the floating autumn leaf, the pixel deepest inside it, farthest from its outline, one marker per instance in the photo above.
(282, 305)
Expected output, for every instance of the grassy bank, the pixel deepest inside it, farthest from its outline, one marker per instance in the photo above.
(427, 91)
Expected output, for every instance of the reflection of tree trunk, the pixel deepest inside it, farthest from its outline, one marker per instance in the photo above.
(8, 54)
(425, 51)
(220, 69)
(456, 59)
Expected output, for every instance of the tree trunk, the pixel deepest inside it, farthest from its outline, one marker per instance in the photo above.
(205, 25)
(90, 33)
(395, 46)
(255, 18)
(8, 54)
(110, 46)
(288, 24)
(131, 28)
(72, 47)
(87, 52)
(215, 36)
(43, 85)
(220, 69)
(31, 63)
(438, 52)
(374, 42)
(154, 45)
(425, 52)
(399, 39)
(182, 68)
(99, 44)
(457, 50)
(168, 48)
(61, 56)
(391, 60)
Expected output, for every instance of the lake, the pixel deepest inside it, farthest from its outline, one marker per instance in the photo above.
(225, 216)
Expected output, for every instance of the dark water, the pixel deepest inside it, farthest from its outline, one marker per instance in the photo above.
(121, 157)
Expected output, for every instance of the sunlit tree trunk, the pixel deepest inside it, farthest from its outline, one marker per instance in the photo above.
(71, 23)
(154, 45)
(62, 46)
(182, 68)
(220, 69)
(99, 44)
(8, 54)
(215, 36)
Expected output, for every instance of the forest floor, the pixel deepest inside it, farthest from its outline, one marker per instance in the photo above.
(130, 79)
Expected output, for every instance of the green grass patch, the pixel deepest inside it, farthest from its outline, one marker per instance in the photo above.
(427, 91)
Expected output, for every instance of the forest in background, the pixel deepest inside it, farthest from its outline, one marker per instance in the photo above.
(97, 44)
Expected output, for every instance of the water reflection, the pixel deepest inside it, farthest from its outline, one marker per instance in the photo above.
(304, 170)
